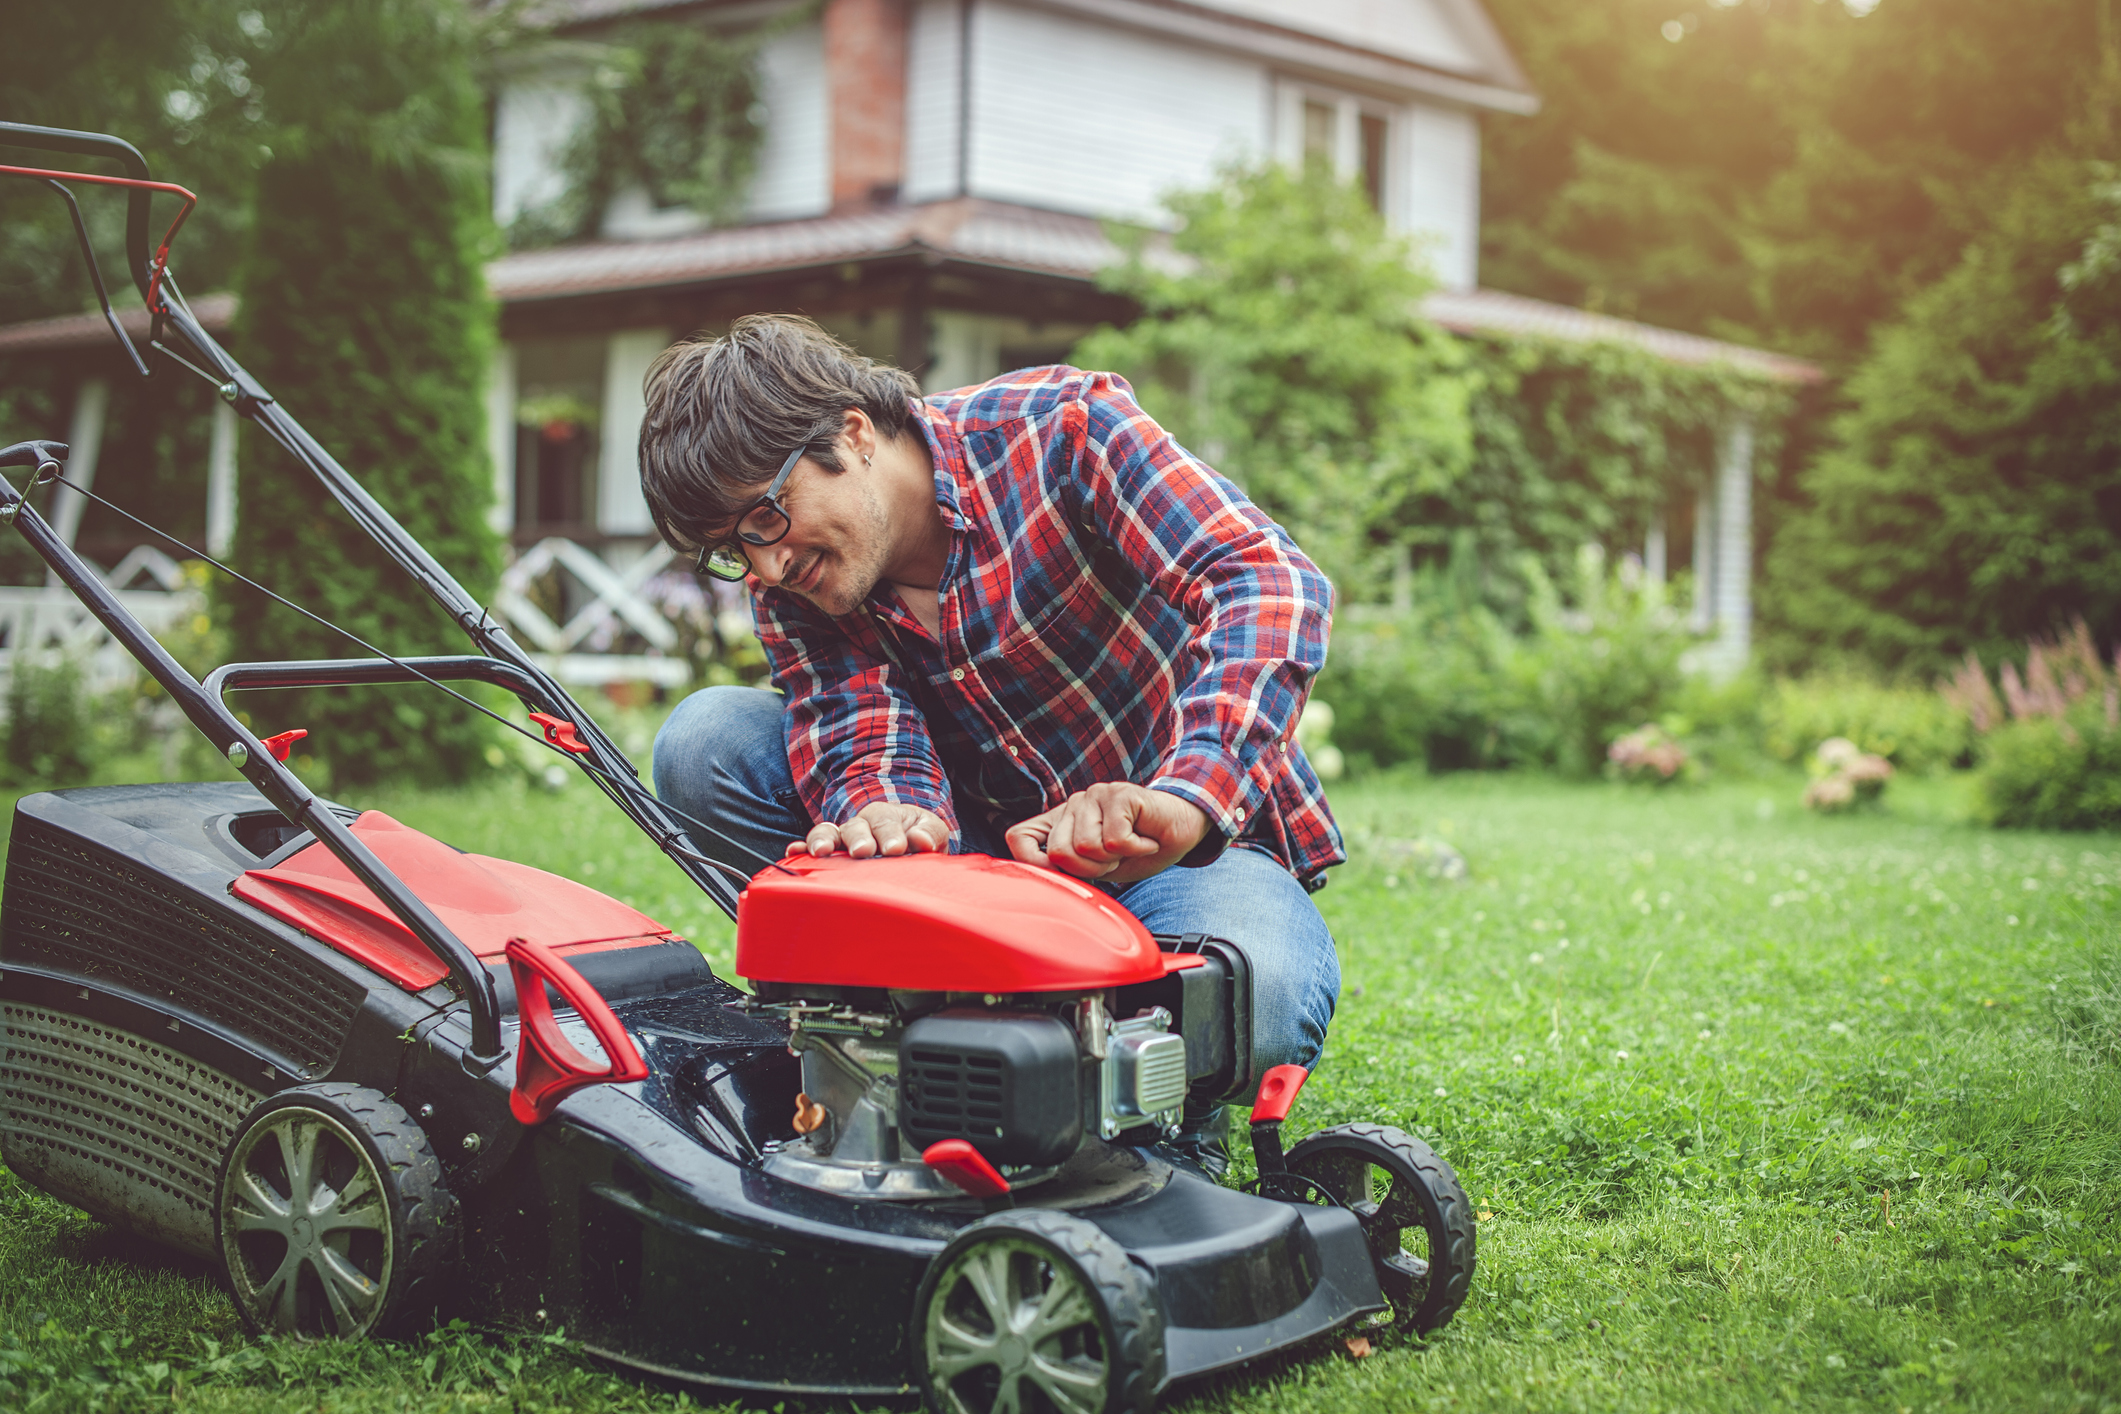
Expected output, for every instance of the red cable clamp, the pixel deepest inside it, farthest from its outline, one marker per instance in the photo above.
(548, 1067)
(280, 745)
(1277, 1093)
(966, 1167)
(561, 733)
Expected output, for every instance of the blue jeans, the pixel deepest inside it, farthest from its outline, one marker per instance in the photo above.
(722, 758)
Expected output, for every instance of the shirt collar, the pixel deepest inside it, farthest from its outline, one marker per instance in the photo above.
(947, 450)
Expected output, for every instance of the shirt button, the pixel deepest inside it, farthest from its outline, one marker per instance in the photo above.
(1285, 748)
(1012, 751)
(957, 675)
(1238, 815)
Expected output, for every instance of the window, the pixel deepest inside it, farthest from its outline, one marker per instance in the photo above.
(1353, 134)
(559, 407)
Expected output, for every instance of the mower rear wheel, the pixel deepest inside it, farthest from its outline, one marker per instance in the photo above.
(1416, 1216)
(1038, 1312)
(332, 1217)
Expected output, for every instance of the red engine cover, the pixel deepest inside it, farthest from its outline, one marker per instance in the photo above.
(485, 902)
(938, 923)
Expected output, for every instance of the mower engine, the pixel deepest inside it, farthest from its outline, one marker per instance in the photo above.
(1017, 1011)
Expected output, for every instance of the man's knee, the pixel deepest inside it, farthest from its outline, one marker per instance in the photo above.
(727, 731)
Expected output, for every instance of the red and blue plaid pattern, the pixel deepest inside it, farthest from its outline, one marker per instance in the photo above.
(1111, 610)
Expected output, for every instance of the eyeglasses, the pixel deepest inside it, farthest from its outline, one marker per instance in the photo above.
(764, 522)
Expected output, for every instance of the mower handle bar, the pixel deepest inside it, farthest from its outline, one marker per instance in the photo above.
(348, 672)
(137, 256)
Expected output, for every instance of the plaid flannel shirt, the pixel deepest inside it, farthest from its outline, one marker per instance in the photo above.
(1111, 610)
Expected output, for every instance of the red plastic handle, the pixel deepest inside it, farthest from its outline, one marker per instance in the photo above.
(1277, 1093)
(548, 1067)
(966, 1167)
(280, 745)
(561, 733)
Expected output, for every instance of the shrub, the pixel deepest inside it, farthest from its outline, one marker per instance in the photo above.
(50, 724)
(2054, 763)
(364, 311)
(1648, 754)
(1443, 682)
(1913, 728)
(1844, 776)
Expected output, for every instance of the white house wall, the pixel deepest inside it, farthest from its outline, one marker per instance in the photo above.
(795, 159)
(533, 120)
(1077, 116)
(535, 117)
(1442, 171)
(932, 70)
(1420, 30)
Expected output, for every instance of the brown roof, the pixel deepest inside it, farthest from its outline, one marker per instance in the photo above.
(980, 232)
(971, 231)
(80, 331)
(1493, 312)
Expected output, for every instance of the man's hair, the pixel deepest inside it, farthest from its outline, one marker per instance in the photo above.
(723, 414)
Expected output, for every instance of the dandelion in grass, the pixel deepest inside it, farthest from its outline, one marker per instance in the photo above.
(1620, 1055)
(1441, 1093)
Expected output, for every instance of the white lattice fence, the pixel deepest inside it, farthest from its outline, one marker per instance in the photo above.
(50, 623)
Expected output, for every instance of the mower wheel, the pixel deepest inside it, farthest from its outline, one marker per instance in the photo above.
(1411, 1207)
(1035, 1310)
(331, 1215)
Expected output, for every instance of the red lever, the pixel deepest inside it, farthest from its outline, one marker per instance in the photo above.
(966, 1167)
(560, 733)
(548, 1068)
(280, 745)
(1277, 1093)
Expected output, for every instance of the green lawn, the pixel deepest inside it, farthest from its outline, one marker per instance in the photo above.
(1680, 1046)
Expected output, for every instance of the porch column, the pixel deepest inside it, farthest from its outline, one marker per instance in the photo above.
(501, 435)
(1734, 549)
(84, 440)
(1704, 610)
(621, 509)
(221, 483)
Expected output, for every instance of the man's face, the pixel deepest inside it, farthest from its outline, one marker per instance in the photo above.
(838, 540)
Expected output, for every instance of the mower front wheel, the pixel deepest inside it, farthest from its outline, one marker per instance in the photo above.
(1036, 1310)
(1416, 1216)
(331, 1215)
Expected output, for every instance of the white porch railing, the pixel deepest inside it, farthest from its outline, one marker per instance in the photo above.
(49, 622)
(648, 604)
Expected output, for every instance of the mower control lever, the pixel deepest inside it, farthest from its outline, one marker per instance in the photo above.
(32, 453)
(966, 1167)
(548, 1068)
(1277, 1094)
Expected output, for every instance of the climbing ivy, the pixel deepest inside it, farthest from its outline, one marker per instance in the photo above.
(674, 109)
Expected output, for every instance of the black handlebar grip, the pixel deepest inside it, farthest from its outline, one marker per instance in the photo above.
(137, 250)
(32, 453)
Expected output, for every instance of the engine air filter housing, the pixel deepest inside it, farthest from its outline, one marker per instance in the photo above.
(1007, 1083)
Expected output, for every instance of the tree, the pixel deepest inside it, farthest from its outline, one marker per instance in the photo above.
(1972, 498)
(364, 313)
(1774, 171)
(1290, 353)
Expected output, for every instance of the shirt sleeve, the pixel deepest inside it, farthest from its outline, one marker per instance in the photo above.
(854, 734)
(1261, 611)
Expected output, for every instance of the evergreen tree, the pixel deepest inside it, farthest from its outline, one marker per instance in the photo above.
(365, 314)
(1290, 353)
(1973, 497)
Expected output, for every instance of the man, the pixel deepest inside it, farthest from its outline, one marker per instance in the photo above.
(1017, 619)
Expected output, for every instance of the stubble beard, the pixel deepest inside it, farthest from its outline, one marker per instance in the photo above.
(861, 560)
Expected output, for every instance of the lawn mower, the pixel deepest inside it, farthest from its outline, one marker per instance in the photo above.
(375, 1078)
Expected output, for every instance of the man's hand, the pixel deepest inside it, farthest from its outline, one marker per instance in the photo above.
(881, 827)
(1116, 831)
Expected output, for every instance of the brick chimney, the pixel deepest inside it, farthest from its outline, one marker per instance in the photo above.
(865, 80)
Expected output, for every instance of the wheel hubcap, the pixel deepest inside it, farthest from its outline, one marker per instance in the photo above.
(1010, 1331)
(305, 1227)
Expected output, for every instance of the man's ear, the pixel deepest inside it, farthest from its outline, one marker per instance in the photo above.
(860, 435)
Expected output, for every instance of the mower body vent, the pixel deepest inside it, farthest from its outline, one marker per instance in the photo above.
(72, 907)
(113, 1123)
(1006, 1083)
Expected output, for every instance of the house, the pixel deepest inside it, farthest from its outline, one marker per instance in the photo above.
(932, 181)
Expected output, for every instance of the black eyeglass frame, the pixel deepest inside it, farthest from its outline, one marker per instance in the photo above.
(703, 561)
